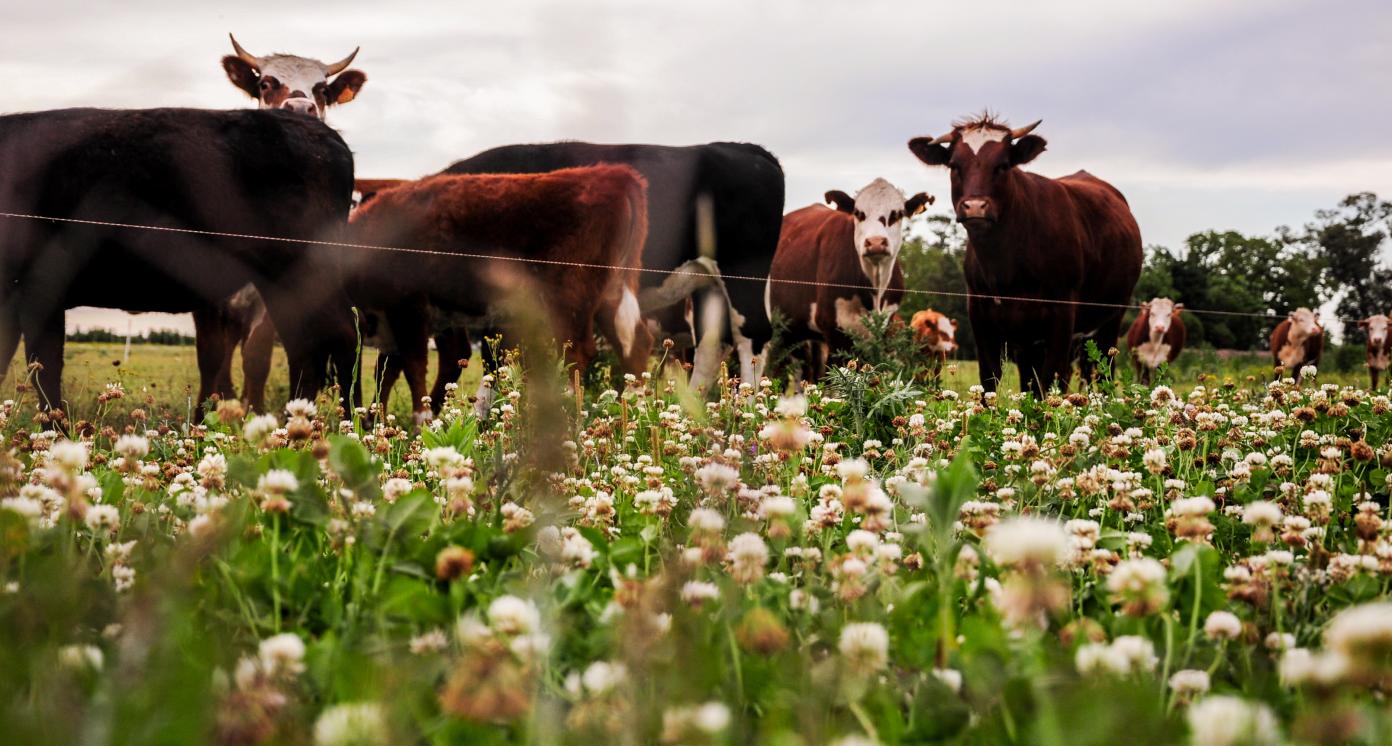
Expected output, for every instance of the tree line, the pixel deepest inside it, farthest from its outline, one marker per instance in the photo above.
(1337, 255)
(152, 337)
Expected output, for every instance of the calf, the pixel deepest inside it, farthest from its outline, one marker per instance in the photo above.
(835, 265)
(1296, 342)
(576, 234)
(1156, 337)
(938, 336)
(1379, 346)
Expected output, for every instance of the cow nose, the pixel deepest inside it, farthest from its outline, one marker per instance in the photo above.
(973, 209)
(877, 246)
(301, 105)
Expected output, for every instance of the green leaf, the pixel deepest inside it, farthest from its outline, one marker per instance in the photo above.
(353, 464)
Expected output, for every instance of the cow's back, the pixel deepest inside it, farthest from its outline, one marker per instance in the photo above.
(1111, 238)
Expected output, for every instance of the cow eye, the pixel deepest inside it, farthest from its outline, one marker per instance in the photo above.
(268, 83)
(859, 215)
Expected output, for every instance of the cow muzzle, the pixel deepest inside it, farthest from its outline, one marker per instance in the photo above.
(301, 105)
(975, 209)
(877, 248)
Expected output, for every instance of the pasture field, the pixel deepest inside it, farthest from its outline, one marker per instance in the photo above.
(874, 560)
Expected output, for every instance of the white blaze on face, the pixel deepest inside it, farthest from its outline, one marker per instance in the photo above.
(948, 342)
(879, 232)
(1377, 330)
(975, 137)
(1303, 325)
(1161, 314)
(303, 81)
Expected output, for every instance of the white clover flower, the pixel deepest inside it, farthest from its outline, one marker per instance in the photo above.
(443, 456)
(949, 676)
(711, 718)
(27, 507)
(102, 518)
(1222, 625)
(300, 408)
(1024, 540)
(282, 653)
(1221, 720)
(396, 488)
(1192, 507)
(79, 657)
(1363, 633)
(861, 541)
(257, 428)
(791, 406)
(602, 677)
(355, 724)
(852, 469)
(717, 478)
(212, 465)
(705, 519)
(277, 482)
(1155, 460)
(864, 646)
(1261, 513)
(70, 456)
(511, 615)
(696, 592)
(1189, 682)
(1141, 575)
(132, 446)
(748, 556)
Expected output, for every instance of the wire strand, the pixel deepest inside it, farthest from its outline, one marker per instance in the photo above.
(591, 265)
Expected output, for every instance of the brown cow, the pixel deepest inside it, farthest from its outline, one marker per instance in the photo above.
(834, 266)
(577, 234)
(1296, 342)
(1379, 346)
(1069, 245)
(938, 336)
(1156, 337)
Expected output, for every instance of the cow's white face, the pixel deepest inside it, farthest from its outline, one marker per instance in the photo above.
(880, 211)
(947, 331)
(1162, 313)
(1303, 323)
(1377, 329)
(293, 83)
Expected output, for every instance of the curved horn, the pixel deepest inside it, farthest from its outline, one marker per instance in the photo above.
(245, 56)
(342, 64)
(941, 139)
(1016, 134)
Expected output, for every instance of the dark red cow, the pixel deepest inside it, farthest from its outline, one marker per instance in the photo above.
(574, 236)
(834, 266)
(1063, 244)
(1296, 342)
(1156, 336)
(1379, 345)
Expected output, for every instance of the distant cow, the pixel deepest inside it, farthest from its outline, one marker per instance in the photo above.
(937, 334)
(1297, 341)
(576, 234)
(835, 265)
(1069, 245)
(1379, 346)
(255, 173)
(743, 186)
(293, 83)
(1156, 336)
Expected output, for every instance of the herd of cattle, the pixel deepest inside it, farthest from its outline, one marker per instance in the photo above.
(248, 219)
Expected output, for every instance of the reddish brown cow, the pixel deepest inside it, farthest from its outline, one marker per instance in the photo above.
(1379, 345)
(1070, 245)
(834, 266)
(938, 335)
(1296, 342)
(1156, 336)
(576, 235)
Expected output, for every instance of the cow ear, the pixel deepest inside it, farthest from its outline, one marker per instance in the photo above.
(1026, 149)
(843, 201)
(345, 87)
(933, 155)
(1178, 307)
(242, 75)
(953, 322)
(917, 203)
(1363, 323)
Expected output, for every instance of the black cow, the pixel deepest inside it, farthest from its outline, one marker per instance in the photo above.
(268, 173)
(744, 184)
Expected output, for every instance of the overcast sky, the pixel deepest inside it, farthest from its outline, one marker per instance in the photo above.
(1206, 114)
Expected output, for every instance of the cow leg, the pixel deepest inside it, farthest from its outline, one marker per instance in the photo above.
(211, 346)
(817, 356)
(258, 346)
(42, 327)
(411, 331)
(988, 356)
(451, 346)
(483, 398)
(1372, 372)
(710, 326)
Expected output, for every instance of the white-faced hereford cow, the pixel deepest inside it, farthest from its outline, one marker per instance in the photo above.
(835, 265)
(723, 261)
(1050, 263)
(568, 242)
(249, 173)
(1379, 346)
(1156, 337)
(937, 335)
(1296, 342)
(277, 81)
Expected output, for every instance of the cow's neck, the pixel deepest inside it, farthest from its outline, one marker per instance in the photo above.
(879, 274)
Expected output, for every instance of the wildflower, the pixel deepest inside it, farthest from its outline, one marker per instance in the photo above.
(452, 563)
(511, 615)
(1189, 683)
(443, 457)
(1154, 460)
(1363, 636)
(1125, 655)
(1023, 540)
(852, 470)
(1222, 720)
(300, 408)
(748, 555)
(68, 455)
(356, 724)
(1262, 516)
(429, 642)
(864, 646)
(706, 520)
(283, 653)
(79, 657)
(951, 677)
(102, 518)
(1139, 585)
(396, 488)
(257, 428)
(1222, 625)
(132, 446)
(277, 482)
(602, 677)
(716, 478)
(696, 592)
(685, 723)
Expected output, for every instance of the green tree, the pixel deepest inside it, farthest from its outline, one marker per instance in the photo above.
(932, 267)
(1349, 239)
